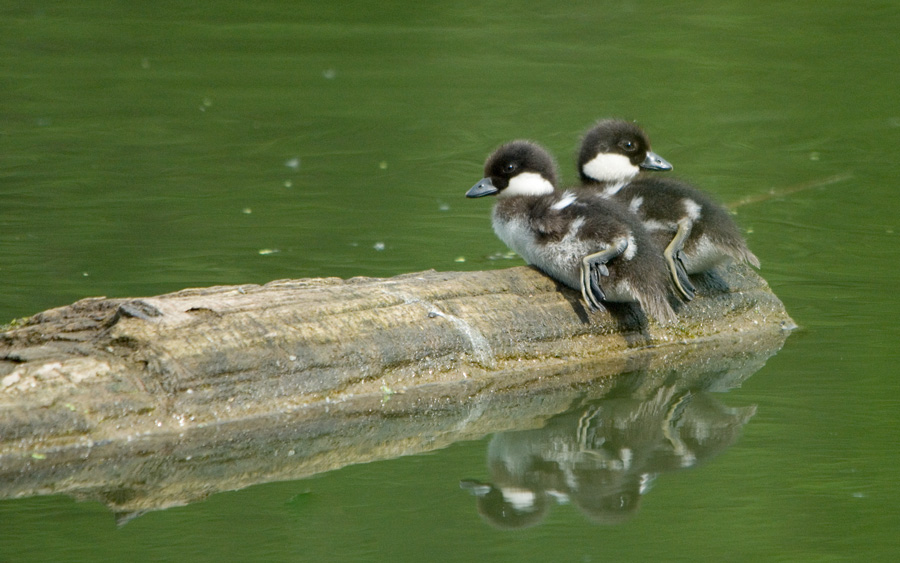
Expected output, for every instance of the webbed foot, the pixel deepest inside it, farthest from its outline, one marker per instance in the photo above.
(680, 276)
(674, 258)
(593, 269)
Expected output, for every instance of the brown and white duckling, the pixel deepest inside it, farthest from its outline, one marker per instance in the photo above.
(587, 243)
(695, 232)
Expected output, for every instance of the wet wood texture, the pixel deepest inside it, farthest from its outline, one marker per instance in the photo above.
(104, 370)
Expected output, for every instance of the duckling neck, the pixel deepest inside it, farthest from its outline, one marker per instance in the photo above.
(606, 188)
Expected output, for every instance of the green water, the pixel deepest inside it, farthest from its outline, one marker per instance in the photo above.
(148, 149)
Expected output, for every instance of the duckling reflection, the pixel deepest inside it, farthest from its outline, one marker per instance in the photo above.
(602, 456)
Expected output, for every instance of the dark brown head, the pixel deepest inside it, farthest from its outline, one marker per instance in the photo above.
(517, 168)
(615, 150)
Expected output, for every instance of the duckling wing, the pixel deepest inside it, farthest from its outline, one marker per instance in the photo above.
(552, 224)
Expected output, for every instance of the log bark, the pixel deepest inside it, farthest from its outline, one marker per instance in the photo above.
(228, 362)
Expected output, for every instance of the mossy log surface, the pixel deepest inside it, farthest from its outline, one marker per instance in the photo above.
(124, 377)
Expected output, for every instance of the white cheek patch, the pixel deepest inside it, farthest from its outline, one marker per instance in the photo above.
(606, 167)
(693, 209)
(527, 183)
(567, 200)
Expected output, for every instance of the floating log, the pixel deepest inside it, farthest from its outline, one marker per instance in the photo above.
(674, 420)
(223, 364)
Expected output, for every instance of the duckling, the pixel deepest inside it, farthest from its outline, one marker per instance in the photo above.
(613, 152)
(696, 233)
(587, 243)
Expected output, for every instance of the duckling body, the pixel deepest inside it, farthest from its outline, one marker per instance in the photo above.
(666, 205)
(695, 232)
(590, 244)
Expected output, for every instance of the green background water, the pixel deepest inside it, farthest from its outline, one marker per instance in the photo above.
(148, 148)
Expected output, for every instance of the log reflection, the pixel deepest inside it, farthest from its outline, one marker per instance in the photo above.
(604, 454)
(634, 416)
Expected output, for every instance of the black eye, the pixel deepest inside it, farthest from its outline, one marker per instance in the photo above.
(510, 167)
(628, 146)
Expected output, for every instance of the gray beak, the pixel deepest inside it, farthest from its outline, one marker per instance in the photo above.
(482, 188)
(655, 162)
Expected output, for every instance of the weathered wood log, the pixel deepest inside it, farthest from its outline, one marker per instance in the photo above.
(176, 467)
(112, 367)
(115, 373)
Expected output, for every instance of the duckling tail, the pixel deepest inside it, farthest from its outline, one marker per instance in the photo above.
(750, 258)
(658, 307)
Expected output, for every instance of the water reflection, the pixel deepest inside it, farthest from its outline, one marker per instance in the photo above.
(603, 455)
(634, 417)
